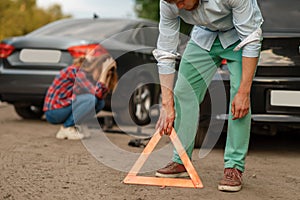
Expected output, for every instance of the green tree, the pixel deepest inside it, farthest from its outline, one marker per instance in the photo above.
(149, 9)
(19, 17)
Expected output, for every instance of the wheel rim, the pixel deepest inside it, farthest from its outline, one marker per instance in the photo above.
(142, 103)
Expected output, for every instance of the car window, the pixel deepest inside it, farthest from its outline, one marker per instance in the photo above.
(281, 16)
(146, 36)
(280, 52)
(151, 35)
(86, 29)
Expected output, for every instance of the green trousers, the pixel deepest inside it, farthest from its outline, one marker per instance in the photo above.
(196, 71)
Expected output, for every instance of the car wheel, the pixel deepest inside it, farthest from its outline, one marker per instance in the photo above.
(29, 111)
(140, 104)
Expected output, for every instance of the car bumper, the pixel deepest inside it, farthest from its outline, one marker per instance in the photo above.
(24, 88)
(261, 106)
(263, 100)
(267, 118)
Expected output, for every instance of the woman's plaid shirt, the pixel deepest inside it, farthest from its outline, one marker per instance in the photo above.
(70, 82)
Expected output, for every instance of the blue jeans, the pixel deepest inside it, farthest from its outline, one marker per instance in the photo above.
(84, 107)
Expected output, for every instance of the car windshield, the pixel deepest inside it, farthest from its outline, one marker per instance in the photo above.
(84, 28)
(281, 16)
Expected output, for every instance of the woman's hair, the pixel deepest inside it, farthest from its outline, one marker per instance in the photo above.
(94, 63)
(113, 79)
(79, 61)
(95, 67)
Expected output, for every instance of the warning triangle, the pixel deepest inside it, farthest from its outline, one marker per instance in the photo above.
(193, 182)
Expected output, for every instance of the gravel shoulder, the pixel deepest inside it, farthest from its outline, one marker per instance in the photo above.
(35, 165)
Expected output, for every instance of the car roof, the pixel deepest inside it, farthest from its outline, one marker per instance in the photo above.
(98, 28)
(281, 18)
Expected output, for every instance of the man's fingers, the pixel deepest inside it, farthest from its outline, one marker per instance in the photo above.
(236, 115)
(165, 122)
(245, 112)
(166, 131)
(240, 113)
(164, 127)
(169, 128)
(233, 109)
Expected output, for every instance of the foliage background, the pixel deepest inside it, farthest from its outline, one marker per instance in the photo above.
(19, 17)
(149, 9)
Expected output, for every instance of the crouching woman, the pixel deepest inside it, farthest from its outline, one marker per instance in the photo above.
(77, 93)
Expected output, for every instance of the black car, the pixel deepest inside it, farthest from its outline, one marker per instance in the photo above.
(29, 63)
(276, 87)
(275, 93)
(277, 80)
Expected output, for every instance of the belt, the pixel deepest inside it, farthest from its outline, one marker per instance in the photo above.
(216, 31)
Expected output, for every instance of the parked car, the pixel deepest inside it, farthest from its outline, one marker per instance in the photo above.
(29, 63)
(276, 86)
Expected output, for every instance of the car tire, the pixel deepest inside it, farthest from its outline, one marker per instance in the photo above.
(137, 112)
(140, 104)
(29, 111)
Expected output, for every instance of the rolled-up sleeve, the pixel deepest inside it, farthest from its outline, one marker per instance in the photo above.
(168, 39)
(247, 20)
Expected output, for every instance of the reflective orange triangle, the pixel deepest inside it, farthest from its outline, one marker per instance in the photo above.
(193, 182)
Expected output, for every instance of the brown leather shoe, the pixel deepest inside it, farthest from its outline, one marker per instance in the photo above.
(172, 170)
(232, 180)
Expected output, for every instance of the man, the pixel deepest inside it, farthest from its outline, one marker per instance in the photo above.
(224, 29)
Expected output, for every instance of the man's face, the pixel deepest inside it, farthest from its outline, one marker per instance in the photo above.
(187, 4)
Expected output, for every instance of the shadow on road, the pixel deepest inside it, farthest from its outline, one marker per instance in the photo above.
(283, 141)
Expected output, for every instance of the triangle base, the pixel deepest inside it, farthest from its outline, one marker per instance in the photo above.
(193, 182)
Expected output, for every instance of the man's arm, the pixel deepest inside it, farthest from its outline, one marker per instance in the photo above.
(247, 20)
(166, 64)
(166, 55)
(241, 103)
(167, 113)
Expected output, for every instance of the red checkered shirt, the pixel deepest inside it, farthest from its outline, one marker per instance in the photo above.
(70, 82)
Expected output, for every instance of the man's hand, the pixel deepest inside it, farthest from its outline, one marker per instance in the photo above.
(167, 112)
(166, 119)
(241, 102)
(240, 105)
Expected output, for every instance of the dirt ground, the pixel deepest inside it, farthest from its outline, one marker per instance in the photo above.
(35, 165)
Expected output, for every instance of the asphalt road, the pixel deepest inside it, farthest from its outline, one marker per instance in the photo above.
(35, 165)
